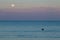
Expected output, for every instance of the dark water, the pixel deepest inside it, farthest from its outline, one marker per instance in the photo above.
(29, 29)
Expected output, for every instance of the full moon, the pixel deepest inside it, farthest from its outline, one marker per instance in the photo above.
(12, 5)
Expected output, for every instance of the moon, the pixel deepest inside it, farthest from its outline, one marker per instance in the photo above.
(12, 5)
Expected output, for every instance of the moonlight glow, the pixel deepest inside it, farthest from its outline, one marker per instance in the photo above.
(12, 5)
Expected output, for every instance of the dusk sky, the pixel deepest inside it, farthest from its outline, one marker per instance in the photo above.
(29, 9)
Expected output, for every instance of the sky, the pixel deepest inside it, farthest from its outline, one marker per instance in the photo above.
(29, 9)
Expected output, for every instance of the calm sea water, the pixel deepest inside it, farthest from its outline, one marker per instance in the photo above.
(29, 29)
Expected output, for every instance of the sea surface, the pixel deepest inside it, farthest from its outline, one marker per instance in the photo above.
(29, 30)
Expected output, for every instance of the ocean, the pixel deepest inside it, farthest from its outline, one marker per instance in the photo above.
(29, 30)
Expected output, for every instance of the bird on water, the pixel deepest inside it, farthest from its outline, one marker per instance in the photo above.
(42, 29)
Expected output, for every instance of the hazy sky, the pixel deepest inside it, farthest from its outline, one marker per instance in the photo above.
(30, 10)
(29, 3)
